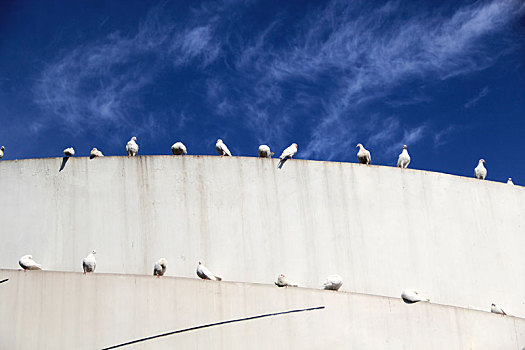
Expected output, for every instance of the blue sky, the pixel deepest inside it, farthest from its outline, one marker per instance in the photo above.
(445, 77)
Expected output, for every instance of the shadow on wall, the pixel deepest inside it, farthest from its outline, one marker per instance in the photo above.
(64, 161)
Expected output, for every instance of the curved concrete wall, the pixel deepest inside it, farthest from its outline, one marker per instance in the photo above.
(458, 240)
(56, 310)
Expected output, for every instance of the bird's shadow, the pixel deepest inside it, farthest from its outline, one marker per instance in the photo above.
(63, 165)
(281, 162)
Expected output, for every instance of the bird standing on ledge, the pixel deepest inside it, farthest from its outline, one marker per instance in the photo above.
(132, 148)
(178, 149)
(283, 281)
(411, 296)
(222, 149)
(205, 274)
(363, 155)
(264, 152)
(69, 152)
(89, 263)
(497, 310)
(160, 267)
(288, 153)
(27, 263)
(480, 172)
(95, 153)
(404, 158)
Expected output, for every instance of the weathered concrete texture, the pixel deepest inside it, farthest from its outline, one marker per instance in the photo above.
(383, 229)
(57, 310)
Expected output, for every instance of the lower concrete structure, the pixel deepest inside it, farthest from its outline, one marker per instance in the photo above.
(457, 240)
(383, 229)
(59, 310)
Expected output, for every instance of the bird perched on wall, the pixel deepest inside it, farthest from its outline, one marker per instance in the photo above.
(89, 263)
(288, 153)
(404, 158)
(509, 181)
(497, 310)
(2, 152)
(95, 153)
(363, 155)
(333, 282)
(205, 274)
(411, 296)
(480, 172)
(69, 152)
(264, 152)
(222, 149)
(160, 267)
(132, 148)
(27, 263)
(283, 281)
(178, 149)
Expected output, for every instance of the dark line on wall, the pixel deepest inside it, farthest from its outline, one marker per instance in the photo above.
(213, 324)
(2, 281)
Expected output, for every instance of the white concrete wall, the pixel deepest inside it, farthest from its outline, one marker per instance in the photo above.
(459, 240)
(56, 310)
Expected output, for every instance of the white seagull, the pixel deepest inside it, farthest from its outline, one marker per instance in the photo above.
(160, 267)
(2, 152)
(222, 149)
(411, 296)
(132, 148)
(480, 172)
(333, 282)
(95, 153)
(497, 310)
(69, 152)
(205, 274)
(363, 155)
(178, 149)
(27, 263)
(89, 263)
(283, 281)
(509, 181)
(288, 153)
(404, 158)
(264, 152)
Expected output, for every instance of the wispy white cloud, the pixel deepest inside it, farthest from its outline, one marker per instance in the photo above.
(195, 43)
(406, 100)
(365, 55)
(321, 77)
(443, 136)
(100, 83)
(478, 97)
(388, 134)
